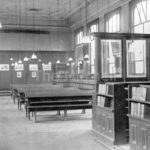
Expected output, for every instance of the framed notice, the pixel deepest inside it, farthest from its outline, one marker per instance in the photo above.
(33, 74)
(19, 67)
(46, 67)
(19, 74)
(33, 67)
(4, 67)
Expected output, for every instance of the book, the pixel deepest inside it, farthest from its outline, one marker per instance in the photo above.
(148, 94)
(133, 94)
(143, 93)
(110, 90)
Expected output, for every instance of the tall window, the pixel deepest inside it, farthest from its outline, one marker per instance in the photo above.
(113, 21)
(141, 17)
(93, 28)
(136, 49)
(79, 37)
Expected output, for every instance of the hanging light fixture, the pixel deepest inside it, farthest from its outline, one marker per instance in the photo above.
(12, 64)
(86, 57)
(16, 64)
(70, 59)
(26, 59)
(19, 61)
(58, 62)
(86, 38)
(0, 25)
(33, 56)
(39, 60)
(11, 59)
(67, 64)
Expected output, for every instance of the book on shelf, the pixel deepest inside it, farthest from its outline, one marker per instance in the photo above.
(102, 88)
(148, 94)
(110, 89)
(139, 93)
(104, 101)
(140, 110)
(106, 89)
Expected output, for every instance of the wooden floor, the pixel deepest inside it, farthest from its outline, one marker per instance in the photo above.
(50, 133)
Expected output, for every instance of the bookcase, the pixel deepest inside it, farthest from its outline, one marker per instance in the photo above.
(109, 113)
(139, 116)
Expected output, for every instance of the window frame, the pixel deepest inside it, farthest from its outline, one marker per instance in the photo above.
(109, 15)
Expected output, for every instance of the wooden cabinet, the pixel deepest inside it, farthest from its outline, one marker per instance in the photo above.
(139, 117)
(117, 64)
(109, 115)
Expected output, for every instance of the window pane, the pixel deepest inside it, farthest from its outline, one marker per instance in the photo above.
(92, 52)
(111, 58)
(148, 10)
(138, 29)
(147, 28)
(136, 58)
(136, 17)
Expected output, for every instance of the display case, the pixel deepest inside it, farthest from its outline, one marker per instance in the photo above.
(122, 57)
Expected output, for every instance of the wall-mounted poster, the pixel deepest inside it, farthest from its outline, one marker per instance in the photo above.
(33, 67)
(4, 67)
(33, 75)
(19, 67)
(46, 67)
(19, 74)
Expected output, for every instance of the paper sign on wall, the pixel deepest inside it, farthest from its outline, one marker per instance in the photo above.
(19, 74)
(19, 67)
(33, 75)
(46, 67)
(4, 67)
(33, 67)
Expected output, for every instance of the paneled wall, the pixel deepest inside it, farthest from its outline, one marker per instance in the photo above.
(10, 76)
(37, 41)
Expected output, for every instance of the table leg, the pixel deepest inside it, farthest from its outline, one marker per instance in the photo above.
(58, 112)
(65, 114)
(34, 116)
(83, 111)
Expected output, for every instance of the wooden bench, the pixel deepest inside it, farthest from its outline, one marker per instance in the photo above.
(57, 106)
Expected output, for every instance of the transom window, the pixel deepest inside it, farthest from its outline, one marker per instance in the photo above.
(113, 21)
(141, 17)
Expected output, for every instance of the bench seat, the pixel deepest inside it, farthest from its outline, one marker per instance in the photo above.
(58, 107)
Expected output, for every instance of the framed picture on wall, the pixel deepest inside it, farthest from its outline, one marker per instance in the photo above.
(19, 74)
(33, 67)
(19, 67)
(4, 67)
(46, 67)
(33, 74)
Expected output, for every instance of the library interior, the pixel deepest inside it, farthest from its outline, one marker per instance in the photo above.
(74, 74)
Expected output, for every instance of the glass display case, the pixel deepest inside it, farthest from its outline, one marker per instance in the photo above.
(111, 58)
(122, 57)
(136, 58)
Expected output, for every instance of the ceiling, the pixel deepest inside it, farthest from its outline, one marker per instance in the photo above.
(37, 12)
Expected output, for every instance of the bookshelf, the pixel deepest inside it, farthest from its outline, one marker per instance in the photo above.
(139, 116)
(109, 113)
(118, 64)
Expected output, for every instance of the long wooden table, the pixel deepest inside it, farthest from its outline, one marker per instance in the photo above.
(54, 97)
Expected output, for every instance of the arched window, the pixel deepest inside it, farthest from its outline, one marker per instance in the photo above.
(141, 17)
(113, 21)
